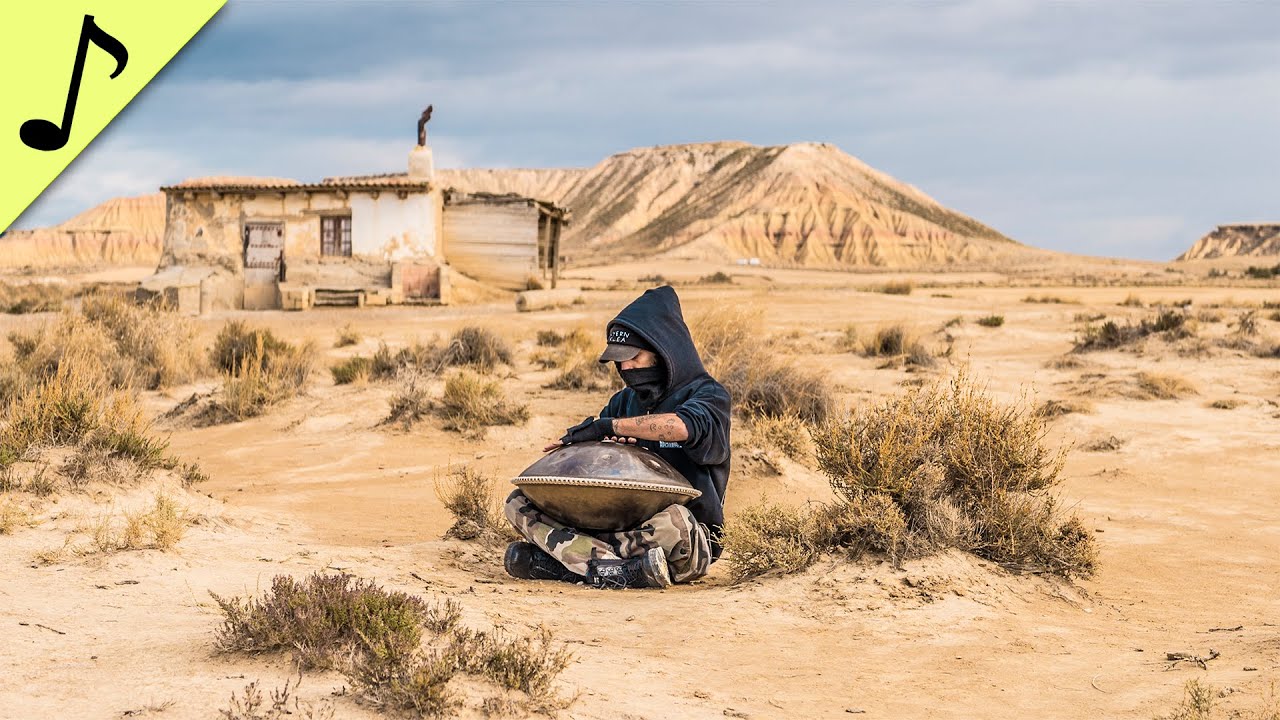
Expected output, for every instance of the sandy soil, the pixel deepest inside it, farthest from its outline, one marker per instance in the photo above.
(1185, 510)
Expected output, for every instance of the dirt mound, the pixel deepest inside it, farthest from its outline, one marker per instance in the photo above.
(120, 232)
(1245, 239)
(804, 205)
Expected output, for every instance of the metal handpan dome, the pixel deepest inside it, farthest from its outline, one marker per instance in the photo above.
(603, 485)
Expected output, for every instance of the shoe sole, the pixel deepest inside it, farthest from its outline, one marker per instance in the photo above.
(656, 569)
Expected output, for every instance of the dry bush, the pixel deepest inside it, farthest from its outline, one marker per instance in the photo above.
(251, 705)
(766, 537)
(896, 343)
(159, 527)
(788, 434)
(586, 373)
(1200, 702)
(953, 459)
(1162, 386)
(1226, 404)
(1057, 408)
(1274, 316)
(1169, 324)
(236, 342)
(991, 321)
(471, 403)
(123, 345)
(416, 359)
(410, 402)
(12, 516)
(848, 339)
(478, 348)
(897, 287)
(760, 381)
(1088, 317)
(398, 652)
(32, 297)
(1111, 443)
(352, 370)
(347, 336)
(468, 495)
(1132, 301)
(1246, 323)
(1209, 316)
(716, 278)
(1050, 300)
(322, 619)
(266, 374)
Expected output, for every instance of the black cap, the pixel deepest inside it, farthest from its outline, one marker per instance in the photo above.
(624, 344)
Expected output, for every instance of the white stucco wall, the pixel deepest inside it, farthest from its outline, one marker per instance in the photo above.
(395, 228)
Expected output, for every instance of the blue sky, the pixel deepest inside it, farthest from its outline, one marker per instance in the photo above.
(1109, 128)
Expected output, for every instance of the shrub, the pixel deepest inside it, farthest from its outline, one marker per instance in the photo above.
(951, 458)
(477, 348)
(417, 358)
(897, 287)
(586, 373)
(787, 434)
(1172, 325)
(471, 403)
(1132, 301)
(122, 345)
(895, 342)
(352, 370)
(1247, 323)
(410, 403)
(269, 373)
(991, 321)
(1226, 404)
(236, 342)
(1262, 273)
(347, 336)
(766, 537)
(31, 297)
(1162, 386)
(322, 619)
(1050, 300)
(760, 382)
(468, 495)
(716, 278)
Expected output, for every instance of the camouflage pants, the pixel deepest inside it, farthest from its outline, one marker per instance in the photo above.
(685, 540)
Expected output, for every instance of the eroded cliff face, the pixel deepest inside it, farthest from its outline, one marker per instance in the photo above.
(807, 204)
(1245, 239)
(121, 232)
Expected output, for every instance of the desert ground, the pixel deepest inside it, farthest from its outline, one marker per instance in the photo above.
(1182, 497)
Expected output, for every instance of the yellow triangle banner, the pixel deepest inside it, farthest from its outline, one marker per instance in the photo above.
(69, 68)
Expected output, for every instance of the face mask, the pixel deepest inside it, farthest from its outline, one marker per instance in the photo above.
(648, 383)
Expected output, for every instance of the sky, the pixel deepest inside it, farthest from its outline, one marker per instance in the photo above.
(1116, 128)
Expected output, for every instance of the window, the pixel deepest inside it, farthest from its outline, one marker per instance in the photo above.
(335, 236)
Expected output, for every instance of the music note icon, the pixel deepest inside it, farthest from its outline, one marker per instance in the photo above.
(44, 135)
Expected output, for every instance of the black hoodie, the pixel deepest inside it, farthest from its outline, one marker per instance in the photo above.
(692, 394)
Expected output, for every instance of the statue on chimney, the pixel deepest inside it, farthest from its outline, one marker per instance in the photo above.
(422, 126)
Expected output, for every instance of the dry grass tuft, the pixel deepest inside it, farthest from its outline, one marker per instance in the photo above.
(478, 348)
(1162, 386)
(991, 321)
(32, 297)
(410, 403)
(251, 705)
(260, 371)
(788, 434)
(716, 278)
(468, 495)
(765, 537)
(897, 287)
(347, 336)
(160, 527)
(1132, 301)
(1226, 404)
(760, 381)
(1057, 408)
(471, 403)
(1169, 324)
(1200, 702)
(896, 343)
(415, 359)
(1050, 300)
(355, 369)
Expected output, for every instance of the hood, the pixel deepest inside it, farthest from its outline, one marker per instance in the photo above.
(656, 317)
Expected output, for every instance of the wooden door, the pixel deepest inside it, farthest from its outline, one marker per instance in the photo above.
(263, 263)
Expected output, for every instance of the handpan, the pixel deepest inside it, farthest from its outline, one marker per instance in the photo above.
(603, 486)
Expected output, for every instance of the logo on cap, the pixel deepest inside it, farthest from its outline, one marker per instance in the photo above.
(620, 337)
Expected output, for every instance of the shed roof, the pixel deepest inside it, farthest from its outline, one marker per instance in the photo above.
(252, 184)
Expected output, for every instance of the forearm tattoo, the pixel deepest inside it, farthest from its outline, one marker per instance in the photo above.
(667, 427)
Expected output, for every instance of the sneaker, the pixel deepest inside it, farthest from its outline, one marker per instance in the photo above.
(647, 571)
(527, 561)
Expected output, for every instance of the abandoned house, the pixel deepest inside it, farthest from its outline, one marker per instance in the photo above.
(266, 243)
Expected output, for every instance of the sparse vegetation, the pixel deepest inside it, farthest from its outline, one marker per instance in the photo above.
(991, 321)
(1050, 300)
(471, 403)
(347, 336)
(716, 278)
(468, 495)
(766, 537)
(1057, 408)
(1170, 324)
(760, 381)
(935, 467)
(410, 402)
(1162, 386)
(250, 705)
(1226, 404)
(352, 370)
(398, 652)
(1132, 301)
(788, 434)
(1200, 702)
(1262, 273)
(897, 287)
(898, 344)
(478, 348)
(32, 297)
(848, 339)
